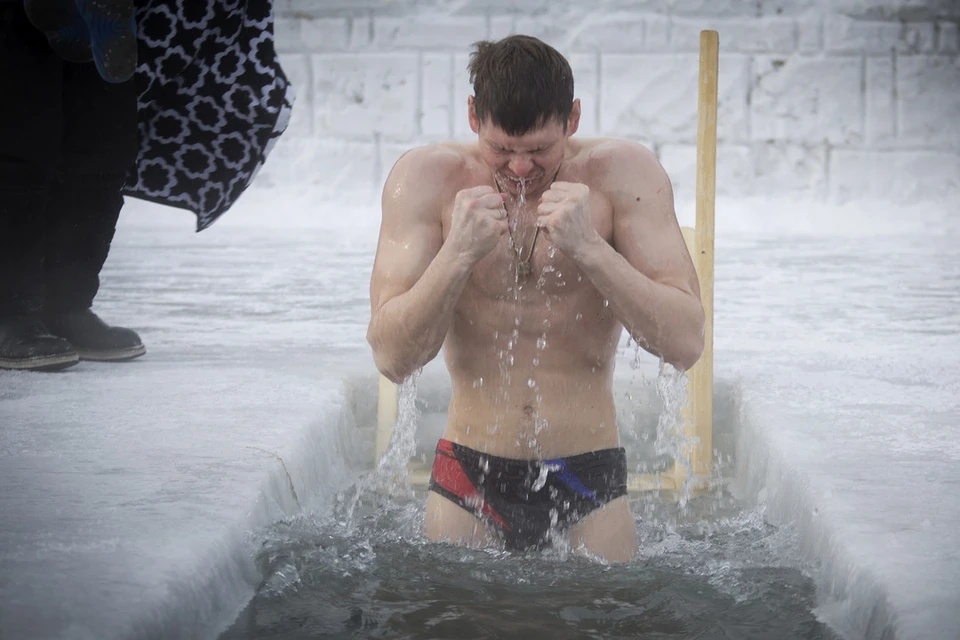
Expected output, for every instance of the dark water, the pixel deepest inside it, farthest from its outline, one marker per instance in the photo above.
(708, 571)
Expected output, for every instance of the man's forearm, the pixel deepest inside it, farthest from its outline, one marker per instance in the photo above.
(665, 320)
(408, 330)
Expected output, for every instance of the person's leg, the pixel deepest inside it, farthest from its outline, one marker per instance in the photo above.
(63, 26)
(30, 132)
(112, 28)
(608, 532)
(452, 499)
(595, 484)
(99, 145)
(446, 521)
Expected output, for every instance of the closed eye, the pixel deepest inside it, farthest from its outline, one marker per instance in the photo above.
(501, 150)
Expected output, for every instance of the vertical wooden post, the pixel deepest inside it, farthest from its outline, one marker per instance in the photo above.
(688, 414)
(702, 380)
(387, 412)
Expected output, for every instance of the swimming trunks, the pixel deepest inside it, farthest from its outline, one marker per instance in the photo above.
(527, 499)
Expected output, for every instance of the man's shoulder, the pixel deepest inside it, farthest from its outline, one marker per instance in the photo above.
(613, 163)
(426, 176)
(438, 160)
(617, 150)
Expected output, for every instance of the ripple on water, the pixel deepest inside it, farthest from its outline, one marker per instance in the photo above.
(711, 570)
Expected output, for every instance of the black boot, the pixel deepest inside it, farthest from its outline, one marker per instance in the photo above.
(63, 25)
(113, 37)
(92, 338)
(27, 345)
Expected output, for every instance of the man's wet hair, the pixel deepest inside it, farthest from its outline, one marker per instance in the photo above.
(519, 83)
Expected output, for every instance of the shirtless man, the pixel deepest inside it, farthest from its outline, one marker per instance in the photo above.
(524, 255)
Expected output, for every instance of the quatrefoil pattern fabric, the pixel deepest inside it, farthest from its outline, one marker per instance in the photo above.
(213, 100)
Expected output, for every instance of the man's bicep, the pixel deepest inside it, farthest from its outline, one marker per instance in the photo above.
(645, 228)
(410, 237)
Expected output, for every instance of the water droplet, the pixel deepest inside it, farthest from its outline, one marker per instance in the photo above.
(539, 425)
(551, 252)
(531, 383)
(536, 362)
(579, 316)
(478, 383)
(606, 303)
(542, 343)
(541, 478)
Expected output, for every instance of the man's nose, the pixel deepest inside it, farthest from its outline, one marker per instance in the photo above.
(521, 166)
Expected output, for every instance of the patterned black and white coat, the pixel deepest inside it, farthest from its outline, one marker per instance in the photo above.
(213, 100)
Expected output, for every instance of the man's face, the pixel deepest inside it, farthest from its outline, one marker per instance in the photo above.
(528, 161)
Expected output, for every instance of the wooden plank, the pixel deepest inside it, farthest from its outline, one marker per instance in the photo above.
(706, 209)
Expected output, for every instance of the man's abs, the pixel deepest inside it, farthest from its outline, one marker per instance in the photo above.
(532, 412)
(531, 369)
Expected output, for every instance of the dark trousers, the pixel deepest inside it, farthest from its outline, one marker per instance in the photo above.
(67, 140)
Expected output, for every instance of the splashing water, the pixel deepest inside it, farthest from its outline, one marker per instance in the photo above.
(390, 475)
(542, 280)
(671, 437)
(733, 573)
(539, 423)
(403, 442)
(506, 355)
(519, 207)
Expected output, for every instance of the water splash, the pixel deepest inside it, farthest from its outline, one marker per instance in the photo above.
(403, 441)
(544, 272)
(672, 439)
(282, 579)
(379, 581)
(518, 207)
(506, 354)
(389, 478)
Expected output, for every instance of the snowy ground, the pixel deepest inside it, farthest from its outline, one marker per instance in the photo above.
(128, 488)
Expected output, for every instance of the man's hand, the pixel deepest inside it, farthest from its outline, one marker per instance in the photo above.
(565, 217)
(477, 223)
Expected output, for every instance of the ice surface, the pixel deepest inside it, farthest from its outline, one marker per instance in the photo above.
(129, 489)
(852, 413)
